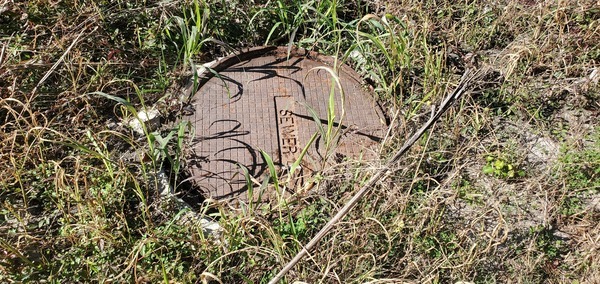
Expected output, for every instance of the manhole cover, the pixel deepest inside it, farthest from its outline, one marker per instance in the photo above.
(263, 100)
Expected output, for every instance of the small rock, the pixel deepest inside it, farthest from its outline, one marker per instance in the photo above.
(594, 203)
(151, 118)
(561, 235)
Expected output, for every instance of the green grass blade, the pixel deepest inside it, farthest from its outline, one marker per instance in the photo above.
(272, 169)
(304, 150)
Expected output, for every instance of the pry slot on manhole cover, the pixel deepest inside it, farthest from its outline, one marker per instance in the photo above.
(263, 99)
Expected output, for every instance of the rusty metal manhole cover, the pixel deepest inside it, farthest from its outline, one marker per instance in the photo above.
(263, 100)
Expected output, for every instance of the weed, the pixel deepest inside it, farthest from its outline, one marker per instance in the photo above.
(300, 225)
(581, 168)
(192, 30)
(501, 168)
(549, 245)
(468, 192)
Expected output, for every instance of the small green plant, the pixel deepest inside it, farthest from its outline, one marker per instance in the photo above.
(501, 168)
(581, 168)
(571, 206)
(331, 134)
(439, 245)
(191, 36)
(299, 225)
(382, 51)
(466, 191)
(546, 242)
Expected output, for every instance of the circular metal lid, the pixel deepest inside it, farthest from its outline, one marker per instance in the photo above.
(274, 99)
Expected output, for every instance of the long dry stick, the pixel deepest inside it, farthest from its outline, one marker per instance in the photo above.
(465, 80)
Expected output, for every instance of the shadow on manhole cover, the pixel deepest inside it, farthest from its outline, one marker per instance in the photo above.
(262, 100)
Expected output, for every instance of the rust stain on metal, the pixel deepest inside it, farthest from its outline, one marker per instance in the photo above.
(263, 100)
